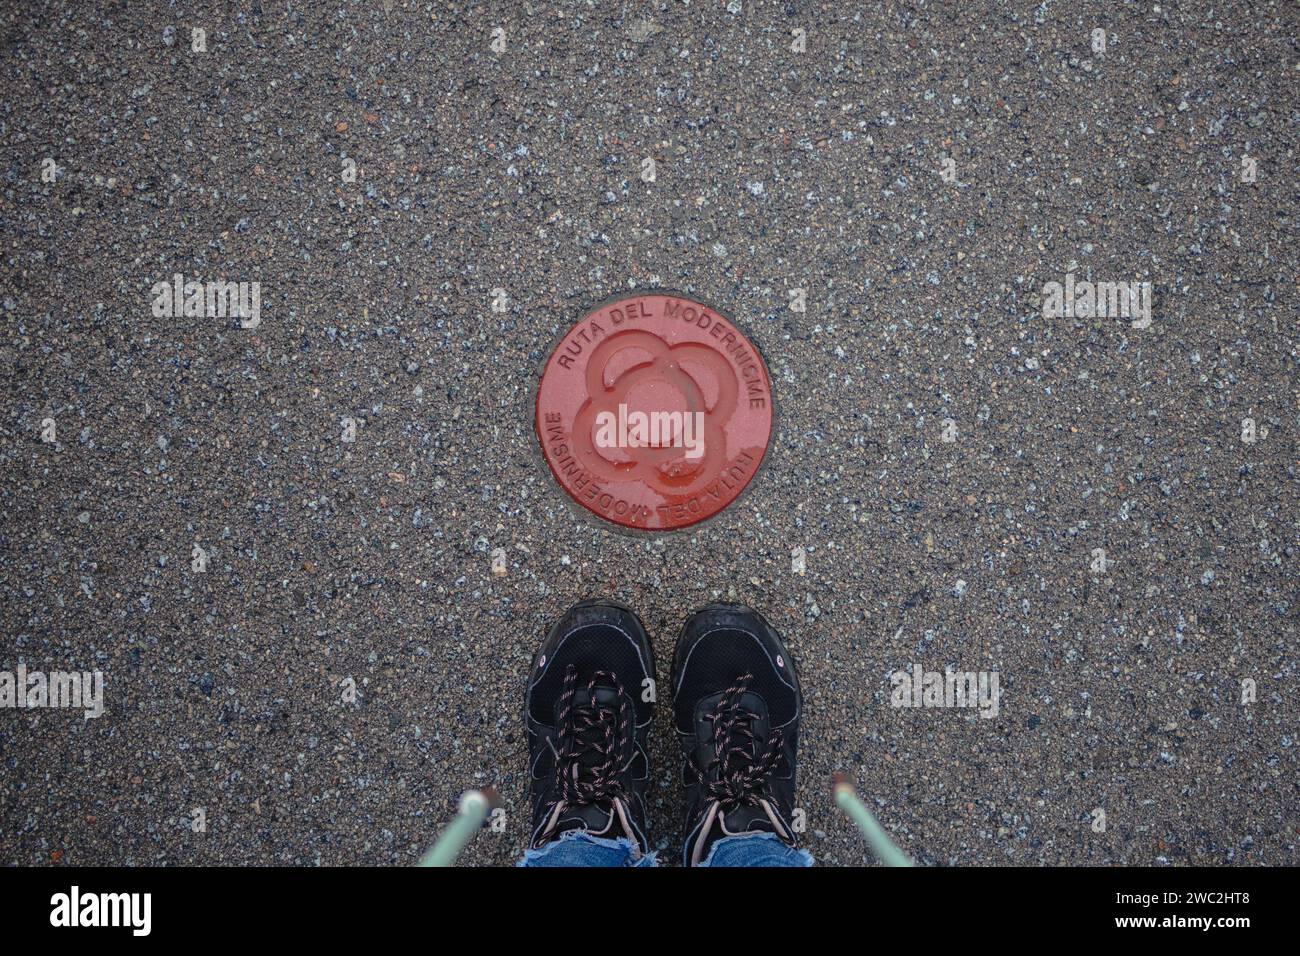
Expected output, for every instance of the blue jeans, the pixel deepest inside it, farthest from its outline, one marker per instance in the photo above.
(578, 848)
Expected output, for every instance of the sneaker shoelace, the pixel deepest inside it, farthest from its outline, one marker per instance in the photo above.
(742, 769)
(594, 742)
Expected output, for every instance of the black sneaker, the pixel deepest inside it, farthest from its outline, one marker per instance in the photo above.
(587, 723)
(736, 706)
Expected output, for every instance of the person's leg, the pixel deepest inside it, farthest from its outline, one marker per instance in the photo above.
(580, 848)
(587, 723)
(755, 849)
(736, 707)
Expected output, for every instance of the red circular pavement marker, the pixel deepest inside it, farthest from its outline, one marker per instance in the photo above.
(654, 412)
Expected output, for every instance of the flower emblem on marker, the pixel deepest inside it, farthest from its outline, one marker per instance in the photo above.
(664, 459)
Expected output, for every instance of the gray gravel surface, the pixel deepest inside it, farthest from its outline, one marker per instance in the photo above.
(1121, 681)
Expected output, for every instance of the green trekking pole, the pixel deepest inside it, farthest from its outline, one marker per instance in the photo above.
(847, 799)
(475, 805)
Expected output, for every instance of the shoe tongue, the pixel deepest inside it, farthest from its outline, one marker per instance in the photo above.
(748, 702)
(598, 819)
(606, 697)
(744, 819)
(704, 730)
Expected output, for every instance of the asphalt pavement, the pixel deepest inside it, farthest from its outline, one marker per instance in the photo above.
(273, 534)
